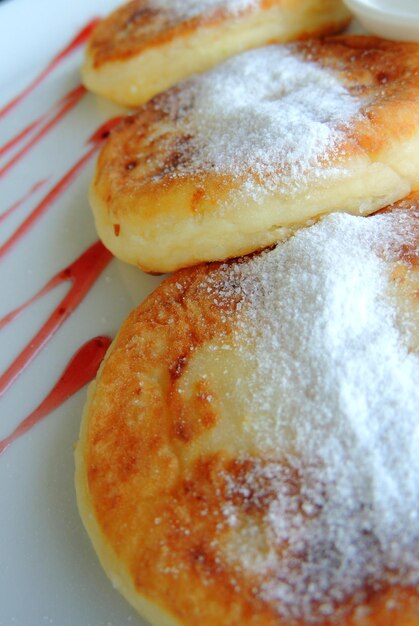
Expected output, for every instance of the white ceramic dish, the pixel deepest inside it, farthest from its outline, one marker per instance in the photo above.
(398, 20)
(49, 573)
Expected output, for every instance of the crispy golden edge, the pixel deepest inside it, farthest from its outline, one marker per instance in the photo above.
(116, 571)
(134, 59)
(385, 75)
(144, 28)
(153, 517)
(138, 198)
(136, 26)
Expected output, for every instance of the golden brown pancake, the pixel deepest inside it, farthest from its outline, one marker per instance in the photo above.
(237, 159)
(146, 46)
(249, 452)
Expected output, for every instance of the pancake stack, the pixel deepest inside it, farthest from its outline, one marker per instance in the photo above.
(249, 452)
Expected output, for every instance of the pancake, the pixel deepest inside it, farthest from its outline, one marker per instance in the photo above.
(237, 159)
(146, 46)
(249, 453)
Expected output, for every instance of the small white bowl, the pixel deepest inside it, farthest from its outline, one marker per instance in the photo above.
(391, 19)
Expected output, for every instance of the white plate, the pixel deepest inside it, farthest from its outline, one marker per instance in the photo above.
(49, 573)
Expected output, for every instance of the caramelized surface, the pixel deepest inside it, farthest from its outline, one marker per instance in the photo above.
(146, 149)
(160, 440)
(154, 209)
(137, 26)
(142, 48)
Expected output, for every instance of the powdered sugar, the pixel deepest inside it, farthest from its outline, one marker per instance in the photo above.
(186, 9)
(334, 405)
(267, 116)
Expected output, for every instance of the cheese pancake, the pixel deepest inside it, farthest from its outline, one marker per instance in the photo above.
(237, 159)
(249, 453)
(146, 46)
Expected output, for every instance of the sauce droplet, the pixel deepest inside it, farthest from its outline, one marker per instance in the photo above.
(81, 369)
(83, 273)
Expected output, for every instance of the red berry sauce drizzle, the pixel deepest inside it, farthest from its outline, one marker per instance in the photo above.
(81, 274)
(45, 122)
(80, 370)
(93, 143)
(75, 43)
(16, 205)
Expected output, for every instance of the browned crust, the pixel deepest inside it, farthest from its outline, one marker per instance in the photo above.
(163, 515)
(137, 26)
(385, 75)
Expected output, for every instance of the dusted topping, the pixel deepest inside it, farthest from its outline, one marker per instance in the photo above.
(333, 407)
(267, 115)
(186, 9)
(138, 24)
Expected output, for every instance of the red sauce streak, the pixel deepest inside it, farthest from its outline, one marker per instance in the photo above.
(21, 135)
(64, 106)
(19, 203)
(75, 43)
(96, 139)
(82, 274)
(81, 369)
